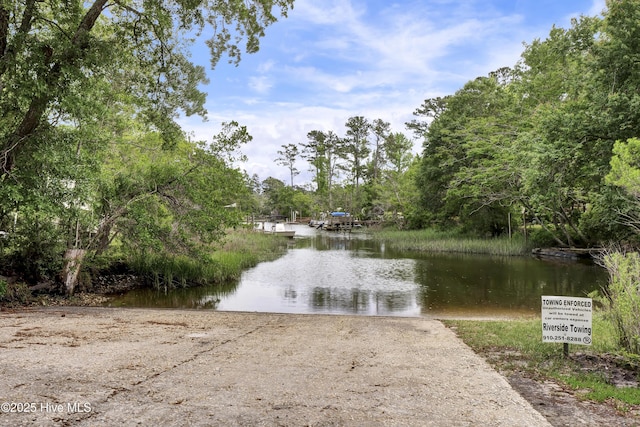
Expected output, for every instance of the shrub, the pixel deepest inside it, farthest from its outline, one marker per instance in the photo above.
(541, 238)
(14, 293)
(622, 297)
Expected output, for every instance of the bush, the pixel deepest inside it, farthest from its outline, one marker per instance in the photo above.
(622, 297)
(14, 293)
(541, 238)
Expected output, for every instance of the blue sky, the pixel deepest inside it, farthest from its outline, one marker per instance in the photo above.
(333, 59)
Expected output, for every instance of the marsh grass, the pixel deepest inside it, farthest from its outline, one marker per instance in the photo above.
(240, 250)
(517, 345)
(451, 241)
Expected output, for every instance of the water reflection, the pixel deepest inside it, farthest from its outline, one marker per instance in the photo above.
(331, 276)
(479, 285)
(335, 273)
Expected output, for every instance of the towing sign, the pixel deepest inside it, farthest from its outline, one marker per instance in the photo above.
(567, 320)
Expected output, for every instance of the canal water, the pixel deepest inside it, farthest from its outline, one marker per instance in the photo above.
(335, 273)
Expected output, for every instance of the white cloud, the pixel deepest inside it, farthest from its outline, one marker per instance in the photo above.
(265, 67)
(597, 8)
(260, 84)
(326, 12)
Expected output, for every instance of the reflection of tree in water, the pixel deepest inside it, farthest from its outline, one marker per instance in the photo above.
(468, 282)
(290, 294)
(326, 241)
(205, 297)
(361, 301)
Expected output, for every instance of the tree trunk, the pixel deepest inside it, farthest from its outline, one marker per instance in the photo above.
(72, 264)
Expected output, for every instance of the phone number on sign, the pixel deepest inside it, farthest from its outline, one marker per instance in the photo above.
(558, 338)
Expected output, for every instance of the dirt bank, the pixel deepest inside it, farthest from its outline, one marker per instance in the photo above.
(95, 366)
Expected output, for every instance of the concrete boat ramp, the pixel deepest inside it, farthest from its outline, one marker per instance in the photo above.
(103, 367)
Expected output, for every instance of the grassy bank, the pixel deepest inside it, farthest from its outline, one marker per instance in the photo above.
(592, 372)
(118, 271)
(442, 241)
(241, 249)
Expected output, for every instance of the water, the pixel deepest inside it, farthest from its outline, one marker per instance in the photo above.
(334, 273)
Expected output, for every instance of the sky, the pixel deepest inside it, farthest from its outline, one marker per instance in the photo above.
(333, 59)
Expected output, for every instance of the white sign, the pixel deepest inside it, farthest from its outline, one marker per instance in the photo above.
(566, 320)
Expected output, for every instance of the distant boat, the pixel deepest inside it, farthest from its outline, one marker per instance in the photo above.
(279, 229)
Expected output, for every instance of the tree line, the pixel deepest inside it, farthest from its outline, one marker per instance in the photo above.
(364, 172)
(537, 140)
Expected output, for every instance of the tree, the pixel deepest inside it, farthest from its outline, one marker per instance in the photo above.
(444, 153)
(288, 157)
(50, 52)
(279, 197)
(315, 152)
(164, 201)
(324, 153)
(74, 77)
(625, 174)
(334, 154)
(565, 149)
(394, 191)
(381, 133)
(356, 148)
(522, 137)
(355, 153)
(398, 152)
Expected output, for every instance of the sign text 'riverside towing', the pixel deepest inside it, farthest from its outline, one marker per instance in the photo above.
(566, 320)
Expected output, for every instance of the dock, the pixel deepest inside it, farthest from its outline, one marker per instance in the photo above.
(338, 221)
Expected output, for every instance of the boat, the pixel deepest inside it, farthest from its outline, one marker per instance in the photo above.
(279, 229)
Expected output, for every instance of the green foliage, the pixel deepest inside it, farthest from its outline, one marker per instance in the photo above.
(540, 238)
(625, 167)
(539, 137)
(279, 197)
(525, 336)
(621, 298)
(90, 149)
(14, 293)
(170, 271)
(595, 387)
(241, 250)
(364, 172)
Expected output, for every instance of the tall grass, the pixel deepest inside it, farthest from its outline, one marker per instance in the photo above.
(240, 250)
(621, 298)
(450, 241)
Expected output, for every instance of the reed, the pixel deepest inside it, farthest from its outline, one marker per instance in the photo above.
(239, 251)
(449, 241)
